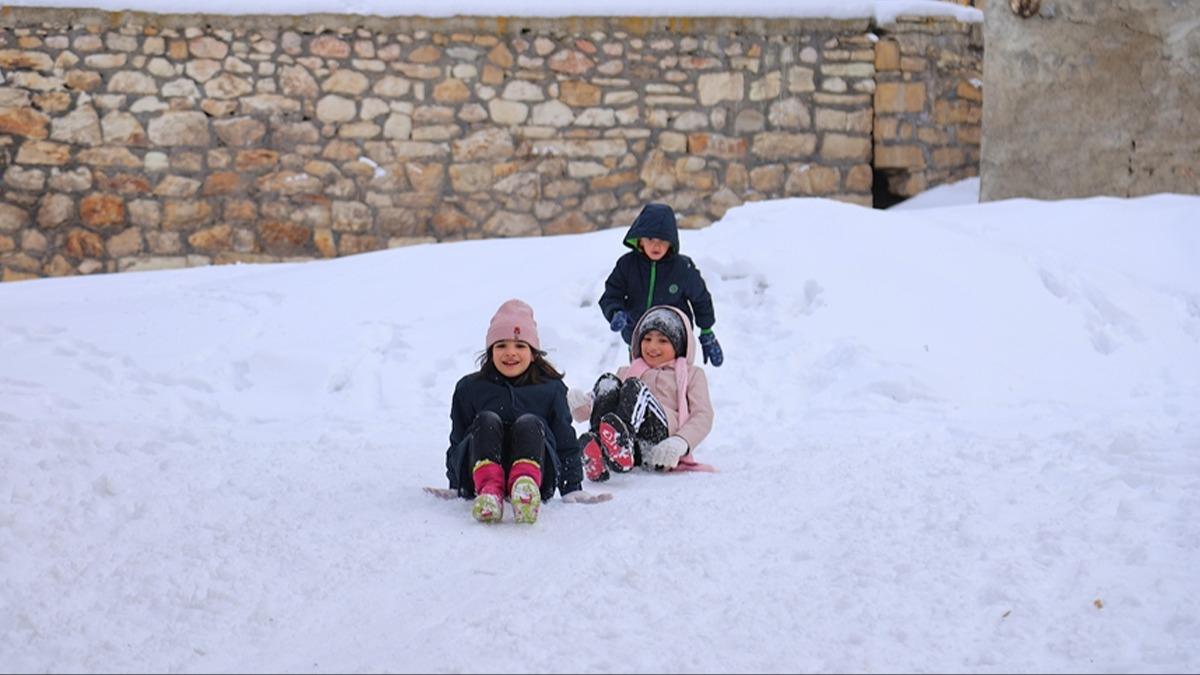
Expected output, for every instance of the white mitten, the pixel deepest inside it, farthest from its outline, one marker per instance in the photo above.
(580, 403)
(665, 455)
(585, 497)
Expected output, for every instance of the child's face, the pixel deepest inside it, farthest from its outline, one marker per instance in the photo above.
(654, 249)
(512, 357)
(657, 349)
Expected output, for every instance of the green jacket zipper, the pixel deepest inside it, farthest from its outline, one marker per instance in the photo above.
(653, 274)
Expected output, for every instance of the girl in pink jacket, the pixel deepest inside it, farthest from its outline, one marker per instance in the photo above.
(653, 412)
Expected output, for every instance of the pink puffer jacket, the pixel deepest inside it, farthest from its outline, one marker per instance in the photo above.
(691, 417)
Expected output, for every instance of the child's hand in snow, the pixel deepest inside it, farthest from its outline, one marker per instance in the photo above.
(585, 497)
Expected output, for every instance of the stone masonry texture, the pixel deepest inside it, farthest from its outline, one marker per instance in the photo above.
(133, 141)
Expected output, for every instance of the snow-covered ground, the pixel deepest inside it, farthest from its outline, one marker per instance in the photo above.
(959, 193)
(959, 438)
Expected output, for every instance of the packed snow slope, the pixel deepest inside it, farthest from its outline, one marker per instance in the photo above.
(960, 438)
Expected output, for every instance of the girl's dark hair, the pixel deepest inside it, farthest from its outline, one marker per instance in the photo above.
(539, 371)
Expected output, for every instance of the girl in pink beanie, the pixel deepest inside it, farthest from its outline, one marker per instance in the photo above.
(511, 433)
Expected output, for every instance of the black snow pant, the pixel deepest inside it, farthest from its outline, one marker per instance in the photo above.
(632, 401)
(503, 444)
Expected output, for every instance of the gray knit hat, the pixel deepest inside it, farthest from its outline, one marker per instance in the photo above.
(666, 321)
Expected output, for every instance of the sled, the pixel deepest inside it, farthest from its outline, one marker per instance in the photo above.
(694, 466)
(441, 493)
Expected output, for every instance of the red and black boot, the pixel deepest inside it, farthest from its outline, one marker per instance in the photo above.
(616, 443)
(593, 458)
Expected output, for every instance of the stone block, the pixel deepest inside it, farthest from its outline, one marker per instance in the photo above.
(451, 91)
(486, 144)
(15, 59)
(44, 153)
(186, 214)
(840, 146)
(899, 97)
(855, 121)
(860, 178)
(126, 243)
(780, 145)
(32, 180)
(351, 244)
(507, 113)
(510, 224)
(571, 222)
(446, 222)
(579, 94)
(948, 157)
(55, 209)
(716, 145)
(83, 244)
(26, 122)
(768, 179)
(284, 238)
(887, 55)
(101, 211)
(122, 128)
(789, 113)
(324, 242)
(173, 129)
(899, 157)
(12, 218)
(351, 216)
(570, 62)
(809, 179)
(425, 177)
(801, 80)
(969, 90)
(716, 87)
(329, 46)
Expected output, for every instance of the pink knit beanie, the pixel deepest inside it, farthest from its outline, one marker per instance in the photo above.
(513, 321)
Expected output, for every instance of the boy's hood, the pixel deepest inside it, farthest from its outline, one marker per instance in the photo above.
(656, 221)
(635, 343)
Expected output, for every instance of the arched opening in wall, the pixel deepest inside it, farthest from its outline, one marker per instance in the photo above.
(882, 193)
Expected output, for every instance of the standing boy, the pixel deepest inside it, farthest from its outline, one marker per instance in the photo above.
(653, 273)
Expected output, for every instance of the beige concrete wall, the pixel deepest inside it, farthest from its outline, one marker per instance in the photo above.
(1092, 98)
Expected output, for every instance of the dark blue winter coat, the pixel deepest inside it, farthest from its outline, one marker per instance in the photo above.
(638, 283)
(510, 399)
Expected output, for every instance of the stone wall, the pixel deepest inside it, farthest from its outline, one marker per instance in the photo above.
(134, 141)
(1092, 98)
(928, 105)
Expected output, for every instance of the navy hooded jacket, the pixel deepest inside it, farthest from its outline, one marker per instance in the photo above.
(477, 392)
(638, 283)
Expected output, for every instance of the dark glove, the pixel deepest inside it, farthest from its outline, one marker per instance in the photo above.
(619, 321)
(712, 349)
